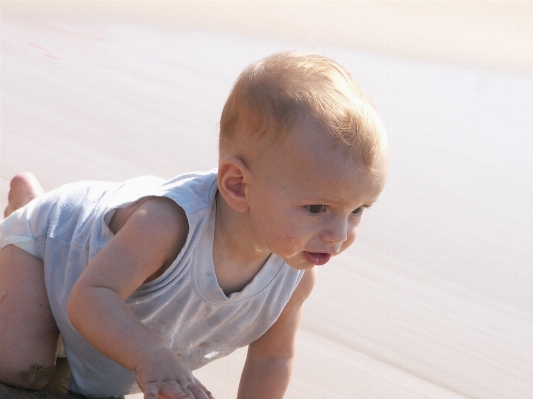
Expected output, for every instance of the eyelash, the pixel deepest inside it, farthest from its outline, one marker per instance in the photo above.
(322, 208)
(312, 208)
(359, 210)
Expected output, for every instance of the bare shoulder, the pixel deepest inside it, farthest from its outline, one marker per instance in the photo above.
(163, 213)
(160, 208)
(302, 291)
(280, 339)
(159, 221)
(149, 235)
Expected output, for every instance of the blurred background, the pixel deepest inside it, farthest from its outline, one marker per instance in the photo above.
(435, 299)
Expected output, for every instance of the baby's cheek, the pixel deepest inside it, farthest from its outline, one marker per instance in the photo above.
(292, 240)
(291, 231)
(350, 239)
(288, 237)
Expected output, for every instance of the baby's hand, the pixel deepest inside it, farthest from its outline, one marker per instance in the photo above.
(165, 376)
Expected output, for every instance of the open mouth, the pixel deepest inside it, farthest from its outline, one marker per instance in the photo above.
(317, 258)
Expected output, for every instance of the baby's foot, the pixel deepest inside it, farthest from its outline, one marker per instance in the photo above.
(23, 188)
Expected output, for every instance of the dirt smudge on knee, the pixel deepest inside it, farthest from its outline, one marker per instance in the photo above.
(37, 376)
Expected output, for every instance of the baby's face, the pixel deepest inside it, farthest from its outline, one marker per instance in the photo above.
(308, 198)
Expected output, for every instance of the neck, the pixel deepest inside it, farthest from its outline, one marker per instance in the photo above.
(237, 257)
(234, 237)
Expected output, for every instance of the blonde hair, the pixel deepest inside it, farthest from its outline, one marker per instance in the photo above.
(272, 94)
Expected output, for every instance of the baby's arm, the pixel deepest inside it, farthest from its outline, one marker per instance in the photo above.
(270, 359)
(147, 242)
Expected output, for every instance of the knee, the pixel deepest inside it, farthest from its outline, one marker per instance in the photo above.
(34, 378)
(37, 376)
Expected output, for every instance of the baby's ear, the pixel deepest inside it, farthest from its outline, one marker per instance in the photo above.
(233, 179)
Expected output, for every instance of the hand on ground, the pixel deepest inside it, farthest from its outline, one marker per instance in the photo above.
(163, 375)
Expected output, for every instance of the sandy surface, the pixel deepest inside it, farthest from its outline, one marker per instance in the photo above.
(435, 299)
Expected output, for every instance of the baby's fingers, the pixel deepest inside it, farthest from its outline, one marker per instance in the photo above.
(209, 395)
(167, 391)
(199, 391)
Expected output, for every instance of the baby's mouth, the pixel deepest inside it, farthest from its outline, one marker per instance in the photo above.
(317, 258)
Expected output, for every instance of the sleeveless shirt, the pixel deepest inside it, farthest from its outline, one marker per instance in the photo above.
(184, 305)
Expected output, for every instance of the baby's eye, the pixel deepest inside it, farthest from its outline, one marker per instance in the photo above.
(359, 210)
(315, 208)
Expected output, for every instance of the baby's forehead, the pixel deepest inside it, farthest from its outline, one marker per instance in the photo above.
(306, 145)
(346, 186)
(336, 165)
(315, 160)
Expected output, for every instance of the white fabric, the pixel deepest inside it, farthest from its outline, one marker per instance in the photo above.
(70, 225)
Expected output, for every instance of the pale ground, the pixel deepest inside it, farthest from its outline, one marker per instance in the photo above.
(435, 300)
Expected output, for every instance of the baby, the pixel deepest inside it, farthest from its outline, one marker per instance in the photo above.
(148, 280)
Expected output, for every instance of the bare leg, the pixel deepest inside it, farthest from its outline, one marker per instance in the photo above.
(28, 332)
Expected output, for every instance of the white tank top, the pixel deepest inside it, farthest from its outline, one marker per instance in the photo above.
(185, 304)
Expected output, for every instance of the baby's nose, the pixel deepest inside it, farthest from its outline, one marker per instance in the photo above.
(336, 232)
